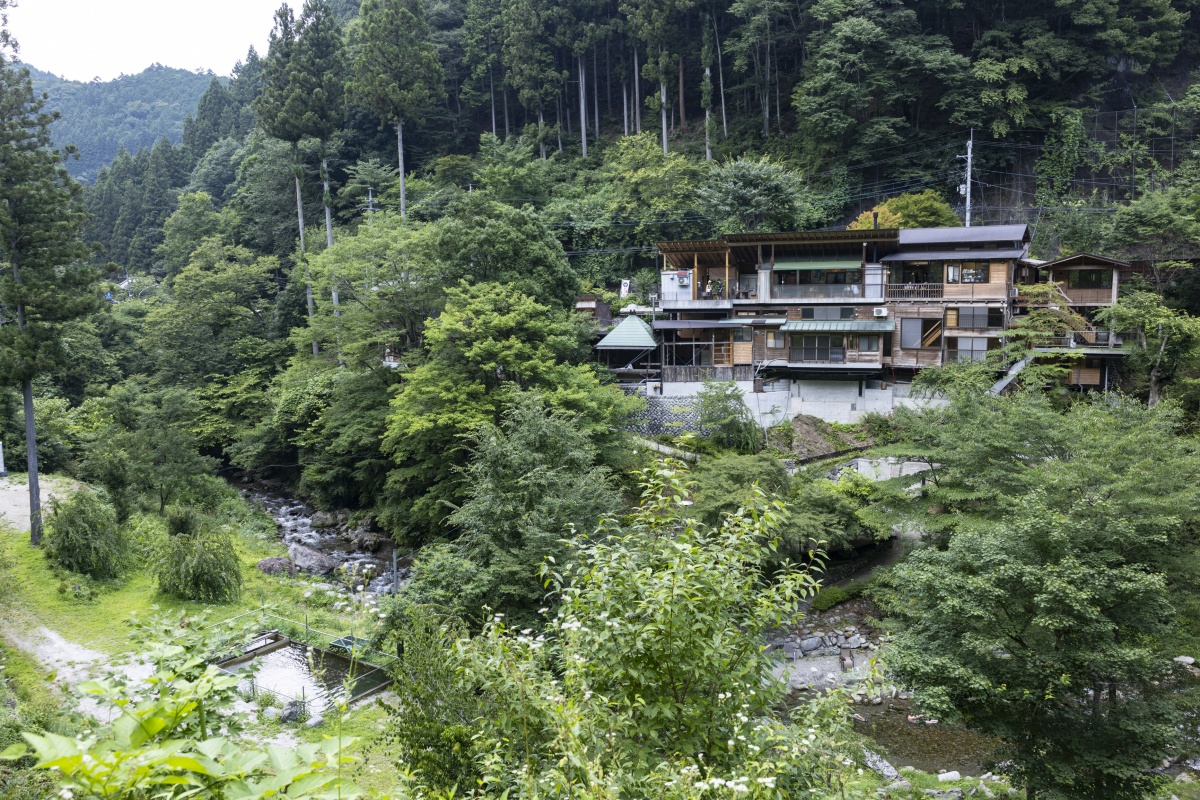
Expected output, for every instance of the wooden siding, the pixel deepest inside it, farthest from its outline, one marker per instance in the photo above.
(743, 352)
(1084, 376)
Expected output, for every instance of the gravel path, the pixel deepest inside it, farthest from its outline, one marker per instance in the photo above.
(14, 498)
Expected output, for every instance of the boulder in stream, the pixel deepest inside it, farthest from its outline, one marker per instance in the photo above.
(323, 519)
(277, 566)
(310, 560)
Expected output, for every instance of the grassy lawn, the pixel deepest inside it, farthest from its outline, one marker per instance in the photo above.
(32, 598)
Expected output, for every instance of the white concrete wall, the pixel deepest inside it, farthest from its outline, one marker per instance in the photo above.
(830, 400)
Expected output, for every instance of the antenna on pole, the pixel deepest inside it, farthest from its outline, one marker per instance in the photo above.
(964, 188)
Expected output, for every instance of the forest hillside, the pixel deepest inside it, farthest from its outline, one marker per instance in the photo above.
(132, 112)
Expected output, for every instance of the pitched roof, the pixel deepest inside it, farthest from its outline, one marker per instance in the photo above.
(1084, 260)
(632, 333)
(977, 234)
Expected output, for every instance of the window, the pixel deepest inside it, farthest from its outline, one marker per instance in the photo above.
(775, 340)
(1089, 279)
(868, 344)
(974, 317)
(917, 333)
(966, 348)
(968, 272)
(830, 349)
(826, 312)
(743, 334)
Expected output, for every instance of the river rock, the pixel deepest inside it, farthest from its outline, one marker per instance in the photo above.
(952, 775)
(1187, 661)
(855, 641)
(945, 794)
(811, 643)
(277, 566)
(271, 713)
(879, 764)
(315, 721)
(292, 711)
(899, 786)
(310, 560)
(323, 519)
(367, 540)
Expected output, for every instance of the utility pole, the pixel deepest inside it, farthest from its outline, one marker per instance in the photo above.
(965, 188)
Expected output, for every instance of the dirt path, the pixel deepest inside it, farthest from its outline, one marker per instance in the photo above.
(14, 498)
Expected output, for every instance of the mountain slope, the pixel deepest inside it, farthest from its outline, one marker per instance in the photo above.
(132, 111)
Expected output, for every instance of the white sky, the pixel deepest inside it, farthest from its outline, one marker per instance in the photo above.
(83, 39)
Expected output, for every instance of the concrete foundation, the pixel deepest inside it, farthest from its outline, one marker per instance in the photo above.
(845, 401)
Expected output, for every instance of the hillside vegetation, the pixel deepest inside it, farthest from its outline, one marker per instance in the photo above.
(130, 113)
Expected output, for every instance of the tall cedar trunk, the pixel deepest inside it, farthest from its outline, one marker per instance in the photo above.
(662, 107)
(596, 96)
(720, 78)
(637, 93)
(333, 292)
(682, 107)
(708, 116)
(778, 113)
(400, 152)
(625, 106)
(582, 107)
(558, 112)
(608, 73)
(308, 293)
(766, 93)
(541, 129)
(31, 459)
(492, 92)
(507, 129)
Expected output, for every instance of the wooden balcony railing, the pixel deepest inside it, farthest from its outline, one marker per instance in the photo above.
(915, 291)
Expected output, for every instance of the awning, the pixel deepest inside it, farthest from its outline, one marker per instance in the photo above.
(630, 334)
(680, 324)
(815, 263)
(739, 322)
(956, 255)
(840, 326)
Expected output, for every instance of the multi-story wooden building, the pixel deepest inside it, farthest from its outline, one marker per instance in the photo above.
(836, 323)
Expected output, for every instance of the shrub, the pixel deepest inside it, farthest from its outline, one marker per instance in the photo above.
(829, 597)
(201, 566)
(83, 536)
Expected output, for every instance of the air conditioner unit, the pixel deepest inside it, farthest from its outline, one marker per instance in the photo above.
(881, 312)
(685, 280)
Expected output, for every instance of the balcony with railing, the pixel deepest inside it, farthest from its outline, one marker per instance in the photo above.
(816, 291)
(1103, 340)
(915, 291)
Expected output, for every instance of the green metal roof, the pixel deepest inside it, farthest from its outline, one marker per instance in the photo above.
(840, 326)
(632, 333)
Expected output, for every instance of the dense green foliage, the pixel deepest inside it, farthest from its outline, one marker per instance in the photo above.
(1041, 616)
(83, 536)
(198, 562)
(649, 675)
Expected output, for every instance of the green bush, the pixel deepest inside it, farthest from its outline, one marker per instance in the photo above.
(200, 566)
(82, 535)
(829, 597)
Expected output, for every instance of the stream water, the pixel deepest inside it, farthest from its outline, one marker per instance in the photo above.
(295, 520)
